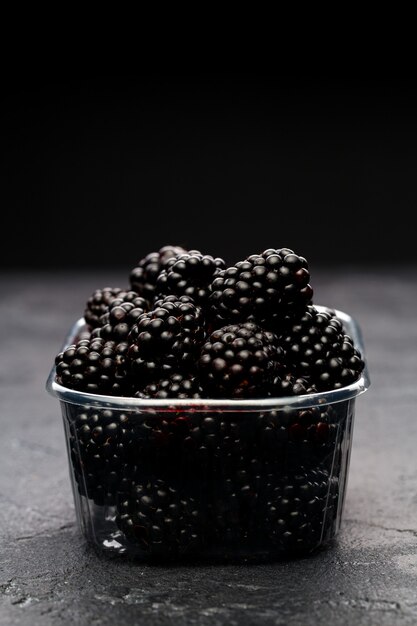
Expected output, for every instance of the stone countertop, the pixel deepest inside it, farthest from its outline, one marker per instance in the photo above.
(48, 575)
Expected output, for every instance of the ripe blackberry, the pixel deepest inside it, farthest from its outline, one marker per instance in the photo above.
(160, 519)
(188, 445)
(143, 277)
(317, 347)
(93, 365)
(304, 435)
(228, 524)
(225, 437)
(99, 442)
(234, 492)
(189, 274)
(123, 313)
(263, 288)
(239, 361)
(98, 304)
(212, 443)
(176, 386)
(165, 340)
(293, 510)
(288, 438)
(161, 442)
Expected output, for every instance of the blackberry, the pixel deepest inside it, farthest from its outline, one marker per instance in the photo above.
(239, 361)
(143, 277)
(317, 347)
(212, 443)
(226, 437)
(93, 365)
(189, 274)
(99, 443)
(263, 288)
(161, 442)
(257, 508)
(233, 500)
(165, 340)
(160, 519)
(294, 509)
(98, 304)
(229, 524)
(176, 386)
(289, 437)
(122, 314)
(192, 445)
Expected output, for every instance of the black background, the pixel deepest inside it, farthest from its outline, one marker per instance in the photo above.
(102, 170)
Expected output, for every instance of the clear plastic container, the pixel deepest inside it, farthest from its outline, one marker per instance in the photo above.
(238, 480)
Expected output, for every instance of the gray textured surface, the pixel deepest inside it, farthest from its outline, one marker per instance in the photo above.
(49, 576)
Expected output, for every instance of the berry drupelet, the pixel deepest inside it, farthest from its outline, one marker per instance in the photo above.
(262, 288)
(143, 277)
(240, 361)
(189, 274)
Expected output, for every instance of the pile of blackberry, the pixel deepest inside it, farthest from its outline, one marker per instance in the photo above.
(188, 327)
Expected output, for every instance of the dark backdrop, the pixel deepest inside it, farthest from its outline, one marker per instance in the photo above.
(108, 168)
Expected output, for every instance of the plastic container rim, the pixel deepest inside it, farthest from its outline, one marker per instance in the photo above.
(82, 398)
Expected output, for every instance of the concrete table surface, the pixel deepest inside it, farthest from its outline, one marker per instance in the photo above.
(48, 575)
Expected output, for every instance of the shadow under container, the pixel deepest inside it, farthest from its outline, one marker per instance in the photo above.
(227, 480)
